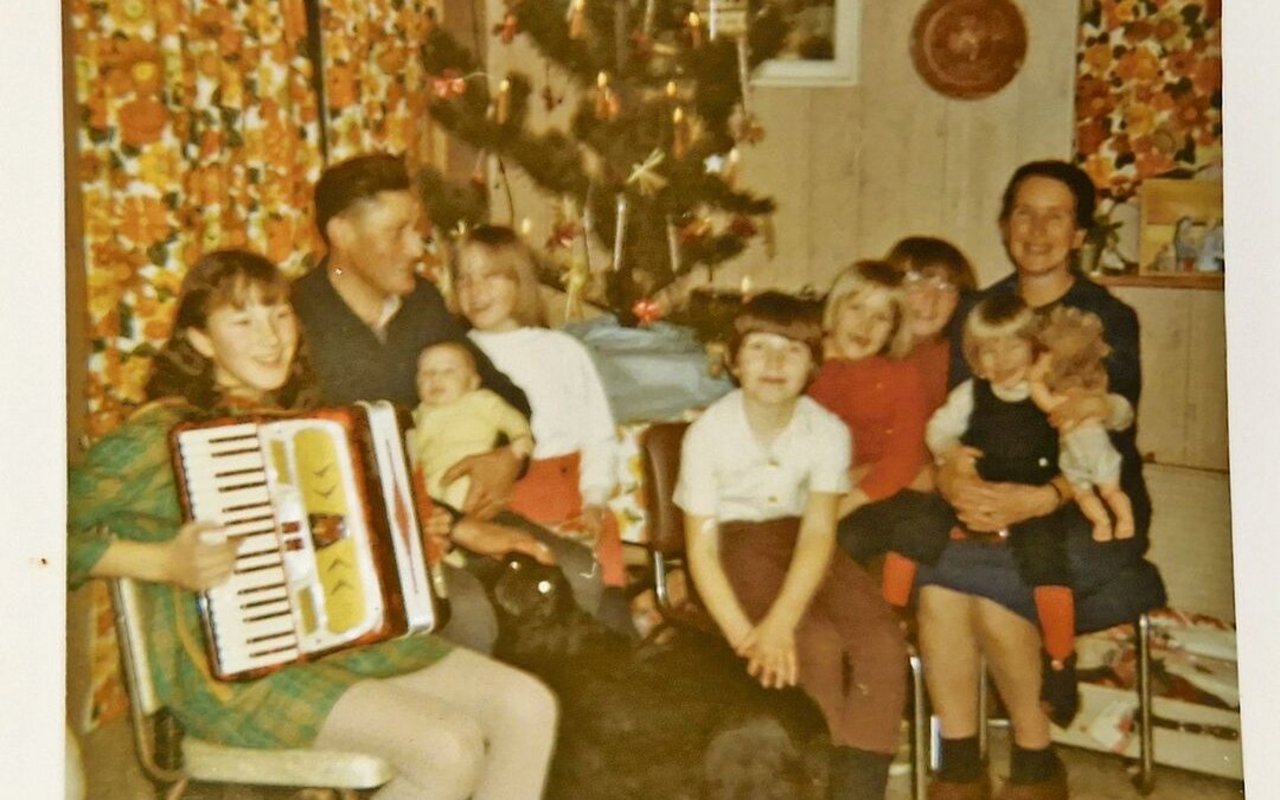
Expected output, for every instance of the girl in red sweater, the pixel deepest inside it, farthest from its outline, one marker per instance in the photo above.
(866, 381)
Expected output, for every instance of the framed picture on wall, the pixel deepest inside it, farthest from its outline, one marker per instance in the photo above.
(1181, 230)
(821, 47)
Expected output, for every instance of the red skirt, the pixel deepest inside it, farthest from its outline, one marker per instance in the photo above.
(548, 494)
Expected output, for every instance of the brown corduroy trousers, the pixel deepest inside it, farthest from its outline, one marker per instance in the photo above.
(850, 648)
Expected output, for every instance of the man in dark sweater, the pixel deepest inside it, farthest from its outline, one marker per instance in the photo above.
(367, 315)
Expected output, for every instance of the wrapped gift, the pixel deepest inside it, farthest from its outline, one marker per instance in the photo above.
(1195, 704)
(654, 373)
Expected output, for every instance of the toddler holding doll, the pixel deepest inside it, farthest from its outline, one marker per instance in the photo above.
(999, 421)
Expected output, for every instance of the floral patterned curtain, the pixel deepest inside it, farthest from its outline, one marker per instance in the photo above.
(198, 130)
(376, 92)
(1148, 90)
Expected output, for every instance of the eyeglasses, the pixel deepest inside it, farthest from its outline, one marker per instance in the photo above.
(915, 279)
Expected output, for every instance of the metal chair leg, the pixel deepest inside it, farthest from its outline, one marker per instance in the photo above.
(659, 564)
(1145, 780)
(920, 719)
(935, 727)
(984, 712)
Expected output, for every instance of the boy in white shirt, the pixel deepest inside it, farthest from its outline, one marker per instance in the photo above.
(762, 472)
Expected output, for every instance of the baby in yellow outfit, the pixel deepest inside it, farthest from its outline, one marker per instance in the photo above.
(456, 418)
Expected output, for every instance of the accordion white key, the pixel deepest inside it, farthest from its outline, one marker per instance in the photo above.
(330, 553)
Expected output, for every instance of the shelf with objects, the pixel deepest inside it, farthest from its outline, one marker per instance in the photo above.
(1177, 240)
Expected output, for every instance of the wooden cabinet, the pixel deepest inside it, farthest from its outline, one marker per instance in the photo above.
(1183, 435)
(1183, 414)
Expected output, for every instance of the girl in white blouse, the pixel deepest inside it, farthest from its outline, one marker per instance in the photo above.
(572, 474)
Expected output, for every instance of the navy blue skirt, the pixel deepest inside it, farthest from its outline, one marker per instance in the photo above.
(1113, 582)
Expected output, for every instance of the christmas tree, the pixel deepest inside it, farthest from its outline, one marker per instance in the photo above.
(649, 164)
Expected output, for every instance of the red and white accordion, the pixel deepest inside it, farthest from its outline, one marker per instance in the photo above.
(330, 552)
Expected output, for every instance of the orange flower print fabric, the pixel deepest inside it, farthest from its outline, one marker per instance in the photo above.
(199, 130)
(1148, 90)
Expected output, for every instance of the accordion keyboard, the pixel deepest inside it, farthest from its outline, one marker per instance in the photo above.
(250, 615)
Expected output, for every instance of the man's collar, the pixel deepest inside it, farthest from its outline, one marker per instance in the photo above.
(389, 308)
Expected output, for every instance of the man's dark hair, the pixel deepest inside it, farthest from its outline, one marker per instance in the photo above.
(355, 180)
(1069, 175)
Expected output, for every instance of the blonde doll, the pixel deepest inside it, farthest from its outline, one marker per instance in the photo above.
(1073, 359)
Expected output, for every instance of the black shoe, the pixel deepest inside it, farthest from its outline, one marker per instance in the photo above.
(1060, 690)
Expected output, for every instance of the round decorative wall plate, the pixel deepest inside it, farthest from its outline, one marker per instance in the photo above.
(968, 48)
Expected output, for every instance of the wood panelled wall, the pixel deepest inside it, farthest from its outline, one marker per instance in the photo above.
(913, 161)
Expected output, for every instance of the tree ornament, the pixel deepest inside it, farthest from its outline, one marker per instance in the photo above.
(744, 72)
(575, 281)
(606, 101)
(578, 20)
(645, 176)
(549, 98)
(694, 23)
(717, 358)
(508, 28)
(592, 164)
(565, 225)
(478, 177)
(449, 84)
(742, 226)
(440, 274)
(641, 43)
(670, 93)
(662, 57)
(620, 230)
(679, 133)
(673, 246)
(695, 230)
(588, 227)
(563, 235)
(503, 103)
(646, 26)
(646, 311)
(749, 129)
(730, 172)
